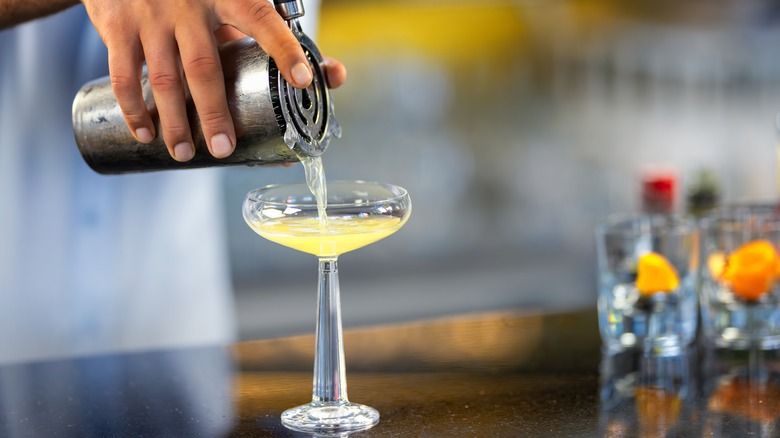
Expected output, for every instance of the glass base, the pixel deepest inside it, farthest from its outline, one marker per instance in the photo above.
(330, 417)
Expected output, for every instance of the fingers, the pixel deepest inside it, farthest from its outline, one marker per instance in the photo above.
(335, 72)
(166, 80)
(124, 64)
(259, 19)
(228, 33)
(203, 71)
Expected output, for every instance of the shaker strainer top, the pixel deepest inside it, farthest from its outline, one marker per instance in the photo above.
(305, 116)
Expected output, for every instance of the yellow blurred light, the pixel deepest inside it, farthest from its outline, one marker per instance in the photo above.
(444, 31)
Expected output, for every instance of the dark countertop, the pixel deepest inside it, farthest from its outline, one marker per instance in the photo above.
(503, 374)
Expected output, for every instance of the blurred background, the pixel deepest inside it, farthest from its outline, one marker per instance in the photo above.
(517, 126)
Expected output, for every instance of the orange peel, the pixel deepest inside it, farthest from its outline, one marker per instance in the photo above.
(751, 270)
(655, 274)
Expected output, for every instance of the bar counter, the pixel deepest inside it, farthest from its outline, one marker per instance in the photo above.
(501, 374)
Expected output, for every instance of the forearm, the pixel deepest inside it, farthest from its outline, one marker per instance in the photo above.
(13, 12)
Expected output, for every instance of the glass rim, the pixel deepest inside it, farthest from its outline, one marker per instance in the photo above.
(625, 223)
(254, 194)
(755, 208)
(767, 213)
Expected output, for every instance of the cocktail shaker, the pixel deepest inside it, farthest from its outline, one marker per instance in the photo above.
(274, 121)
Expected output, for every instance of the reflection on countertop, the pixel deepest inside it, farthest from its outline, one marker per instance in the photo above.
(699, 393)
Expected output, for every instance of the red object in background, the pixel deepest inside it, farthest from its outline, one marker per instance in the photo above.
(658, 191)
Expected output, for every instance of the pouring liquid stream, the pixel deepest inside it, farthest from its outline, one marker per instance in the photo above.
(315, 180)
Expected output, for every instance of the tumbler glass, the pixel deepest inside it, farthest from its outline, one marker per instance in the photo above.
(740, 296)
(647, 273)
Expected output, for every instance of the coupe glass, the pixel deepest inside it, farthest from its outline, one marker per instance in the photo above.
(358, 213)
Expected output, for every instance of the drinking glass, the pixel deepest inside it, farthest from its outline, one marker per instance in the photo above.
(660, 321)
(358, 213)
(739, 291)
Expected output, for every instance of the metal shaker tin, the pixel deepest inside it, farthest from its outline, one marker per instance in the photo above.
(274, 121)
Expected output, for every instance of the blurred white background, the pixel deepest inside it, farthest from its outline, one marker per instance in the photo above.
(516, 126)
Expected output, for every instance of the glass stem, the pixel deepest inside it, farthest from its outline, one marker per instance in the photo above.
(330, 381)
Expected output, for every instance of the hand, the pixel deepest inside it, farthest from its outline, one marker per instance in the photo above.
(335, 72)
(177, 39)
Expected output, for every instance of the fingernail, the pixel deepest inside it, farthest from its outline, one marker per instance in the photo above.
(301, 74)
(183, 151)
(144, 135)
(221, 146)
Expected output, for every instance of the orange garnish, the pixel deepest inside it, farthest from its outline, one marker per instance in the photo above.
(655, 274)
(752, 269)
(777, 268)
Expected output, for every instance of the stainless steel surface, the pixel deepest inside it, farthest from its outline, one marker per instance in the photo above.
(289, 9)
(273, 120)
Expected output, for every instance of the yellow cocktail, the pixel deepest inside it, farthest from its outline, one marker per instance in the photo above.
(338, 236)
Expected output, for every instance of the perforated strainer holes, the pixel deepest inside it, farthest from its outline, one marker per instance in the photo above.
(306, 99)
(303, 114)
(306, 107)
